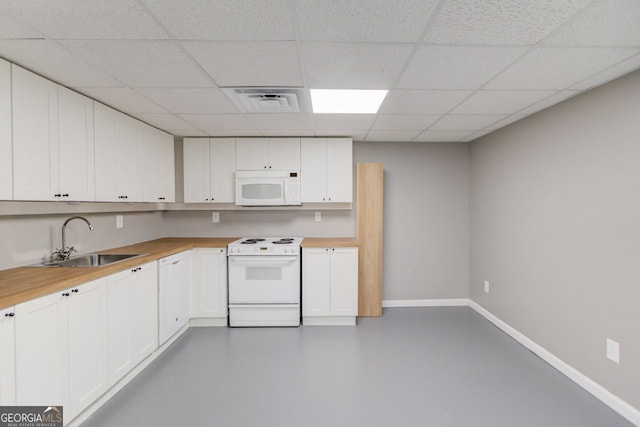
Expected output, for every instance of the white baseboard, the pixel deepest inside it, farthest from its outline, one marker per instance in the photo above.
(206, 322)
(329, 321)
(450, 302)
(614, 402)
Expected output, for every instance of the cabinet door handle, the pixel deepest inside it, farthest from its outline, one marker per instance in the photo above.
(66, 294)
(75, 291)
(65, 195)
(57, 195)
(269, 166)
(9, 314)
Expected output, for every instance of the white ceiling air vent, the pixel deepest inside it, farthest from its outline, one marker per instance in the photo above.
(267, 100)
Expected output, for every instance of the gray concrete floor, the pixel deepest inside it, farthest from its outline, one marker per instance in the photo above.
(411, 367)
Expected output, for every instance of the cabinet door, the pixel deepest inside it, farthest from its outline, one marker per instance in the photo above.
(344, 281)
(116, 156)
(6, 156)
(155, 152)
(251, 153)
(197, 181)
(313, 170)
(76, 146)
(41, 352)
(339, 170)
(144, 299)
(209, 283)
(7, 357)
(87, 324)
(284, 153)
(35, 136)
(120, 317)
(223, 167)
(316, 292)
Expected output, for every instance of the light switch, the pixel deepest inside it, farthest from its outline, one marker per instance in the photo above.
(613, 350)
(318, 216)
(215, 216)
(119, 221)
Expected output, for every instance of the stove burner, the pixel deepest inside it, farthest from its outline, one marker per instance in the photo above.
(251, 241)
(283, 241)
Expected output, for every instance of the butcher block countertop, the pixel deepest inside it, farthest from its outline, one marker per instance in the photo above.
(25, 283)
(329, 242)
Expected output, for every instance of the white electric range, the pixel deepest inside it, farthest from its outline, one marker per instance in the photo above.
(264, 281)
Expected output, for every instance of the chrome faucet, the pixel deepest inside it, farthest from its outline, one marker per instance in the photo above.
(65, 252)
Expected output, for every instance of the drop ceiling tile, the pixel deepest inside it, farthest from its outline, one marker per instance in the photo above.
(13, 29)
(456, 67)
(356, 135)
(548, 102)
(504, 122)
(343, 121)
(186, 132)
(404, 122)
(283, 121)
(500, 101)
(363, 20)
(191, 100)
(558, 68)
(611, 73)
(140, 63)
(224, 20)
(392, 135)
(232, 132)
(164, 121)
(124, 99)
(500, 22)
(218, 121)
(86, 19)
(51, 60)
(466, 122)
(353, 65)
(421, 101)
(603, 23)
(288, 132)
(249, 63)
(441, 136)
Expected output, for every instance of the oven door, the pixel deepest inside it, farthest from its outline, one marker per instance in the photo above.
(259, 279)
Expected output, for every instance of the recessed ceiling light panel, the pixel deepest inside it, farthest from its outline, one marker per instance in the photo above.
(346, 101)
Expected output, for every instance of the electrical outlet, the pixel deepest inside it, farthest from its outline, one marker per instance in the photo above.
(318, 216)
(119, 221)
(215, 216)
(486, 286)
(613, 350)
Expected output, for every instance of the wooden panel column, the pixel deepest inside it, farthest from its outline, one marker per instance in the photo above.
(370, 215)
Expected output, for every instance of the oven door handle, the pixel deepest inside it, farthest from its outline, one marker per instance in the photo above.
(266, 261)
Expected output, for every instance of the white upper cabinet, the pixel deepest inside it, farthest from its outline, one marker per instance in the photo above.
(75, 146)
(117, 175)
(35, 137)
(155, 152)
(6, 170)
(209, 166)
(326, 170)
(267, 153)
(53, 153)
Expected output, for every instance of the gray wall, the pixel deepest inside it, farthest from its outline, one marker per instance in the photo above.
(26, 239)
(555, 228)
(426, 218)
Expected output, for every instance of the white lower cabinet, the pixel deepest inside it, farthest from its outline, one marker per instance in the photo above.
(61, 348)
(329, 286)
(132, 319)
(209, 286)
(7, 357)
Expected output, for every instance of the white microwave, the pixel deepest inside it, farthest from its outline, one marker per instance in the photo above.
(268, 188)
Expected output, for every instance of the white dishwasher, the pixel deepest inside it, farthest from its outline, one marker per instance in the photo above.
(173, 295)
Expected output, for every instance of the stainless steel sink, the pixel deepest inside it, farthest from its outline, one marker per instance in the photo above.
(89, 260)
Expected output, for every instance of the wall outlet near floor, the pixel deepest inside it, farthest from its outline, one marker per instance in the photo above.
(215, 216)
(613, 350)
(486, 286)
(119, 221)
(318, 216)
